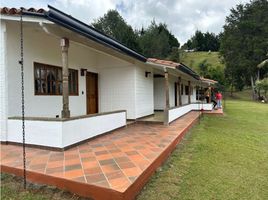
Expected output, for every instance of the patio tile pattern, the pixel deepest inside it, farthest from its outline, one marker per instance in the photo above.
(113, 161)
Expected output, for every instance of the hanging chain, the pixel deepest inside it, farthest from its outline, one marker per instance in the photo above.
(22, 101)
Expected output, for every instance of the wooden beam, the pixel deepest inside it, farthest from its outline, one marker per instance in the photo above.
(64, 43)
(166, 116)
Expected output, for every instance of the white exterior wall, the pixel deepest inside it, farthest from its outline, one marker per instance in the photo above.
(43, 48)
(159, 93)
(184, 97)
(202, 106)
(144, 92)
(117, 89)
(3, 84)
(193, 97)
(44, 133)
(172, 81)
(61, 134)
(180, 111)
(90, 127)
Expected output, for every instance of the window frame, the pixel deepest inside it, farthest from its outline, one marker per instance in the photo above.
(58, 82)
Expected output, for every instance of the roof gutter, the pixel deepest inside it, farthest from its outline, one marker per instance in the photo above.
(81, 28)
(188, 71)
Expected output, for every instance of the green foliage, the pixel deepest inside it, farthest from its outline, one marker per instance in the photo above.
(207, 64)
(244, 42)
(113, 25)
(157, 41)
(262, 86)
(175, 55)
(203, 42)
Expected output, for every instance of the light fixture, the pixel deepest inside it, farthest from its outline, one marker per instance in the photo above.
(83, 71)
(147, 73)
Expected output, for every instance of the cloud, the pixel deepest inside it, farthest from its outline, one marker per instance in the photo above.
(183, 17)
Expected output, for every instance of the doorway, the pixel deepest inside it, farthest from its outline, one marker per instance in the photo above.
(92, 92)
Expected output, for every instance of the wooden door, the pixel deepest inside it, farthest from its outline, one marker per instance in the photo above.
(92, 92)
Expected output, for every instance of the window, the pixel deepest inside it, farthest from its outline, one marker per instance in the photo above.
(186, 90)
(181, 89)
(48, 80)
(73, 82)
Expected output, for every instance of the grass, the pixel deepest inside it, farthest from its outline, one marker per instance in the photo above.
(222, 158)
(192, 59)
(12, 189)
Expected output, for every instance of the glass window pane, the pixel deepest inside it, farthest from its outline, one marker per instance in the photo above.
(43, 73)
(43, 87)
(60, 88)
(59, 74)
(37, 86)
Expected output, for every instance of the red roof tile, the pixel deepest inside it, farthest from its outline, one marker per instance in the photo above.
(163, 62)
(208, 80)
(17, 11)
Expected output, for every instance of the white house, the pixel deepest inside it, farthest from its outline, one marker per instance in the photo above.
(80, 83)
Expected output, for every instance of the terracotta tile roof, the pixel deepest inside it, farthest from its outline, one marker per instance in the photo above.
(208, 80)
(17, 11)
(163, 62)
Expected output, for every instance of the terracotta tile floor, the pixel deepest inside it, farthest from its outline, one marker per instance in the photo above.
(112, 161)
(214, 112)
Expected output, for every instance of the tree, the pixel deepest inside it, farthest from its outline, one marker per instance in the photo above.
(113, 25)
(203, 42)
(263, 86)
(244, 42)
(157, 41)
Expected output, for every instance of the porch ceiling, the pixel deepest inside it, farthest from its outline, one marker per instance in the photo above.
(60, 32)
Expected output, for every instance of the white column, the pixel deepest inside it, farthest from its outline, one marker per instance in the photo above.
(3, 85)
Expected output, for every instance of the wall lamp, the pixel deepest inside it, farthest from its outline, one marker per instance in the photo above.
(147, 73)
(83, 71)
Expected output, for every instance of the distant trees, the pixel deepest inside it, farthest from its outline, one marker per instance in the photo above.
(154, 41)
(212, 72)
(203, 42)
(244, 43)
(113, 25)
(157, 41)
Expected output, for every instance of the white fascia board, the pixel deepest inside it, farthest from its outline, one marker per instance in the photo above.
(25, 19)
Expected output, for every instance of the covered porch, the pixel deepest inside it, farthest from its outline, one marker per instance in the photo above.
(115, 166)
(77, 84)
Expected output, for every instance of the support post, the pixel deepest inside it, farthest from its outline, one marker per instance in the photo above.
(179, 92)
(167, 98)
(64, 43)
(189, 92)
(209, 90)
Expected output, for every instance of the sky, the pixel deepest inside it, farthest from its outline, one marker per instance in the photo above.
(183, 17)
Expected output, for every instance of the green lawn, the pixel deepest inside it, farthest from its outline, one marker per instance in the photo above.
(222, 158)
(192, 59)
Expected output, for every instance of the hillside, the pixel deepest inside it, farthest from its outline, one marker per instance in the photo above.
(192, 59)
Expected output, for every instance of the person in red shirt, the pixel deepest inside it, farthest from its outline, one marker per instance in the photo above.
(218, 98)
